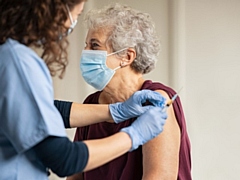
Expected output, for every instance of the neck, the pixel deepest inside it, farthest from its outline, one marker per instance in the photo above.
(121, 87)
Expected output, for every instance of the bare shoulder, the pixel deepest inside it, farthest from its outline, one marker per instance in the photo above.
(164, 94)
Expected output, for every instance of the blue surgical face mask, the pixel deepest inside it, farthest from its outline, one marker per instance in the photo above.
(94, 69)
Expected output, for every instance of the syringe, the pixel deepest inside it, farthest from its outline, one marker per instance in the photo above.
(171, 100)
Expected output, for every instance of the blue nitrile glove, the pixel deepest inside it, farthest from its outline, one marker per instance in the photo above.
(146, 127)
(133, 107)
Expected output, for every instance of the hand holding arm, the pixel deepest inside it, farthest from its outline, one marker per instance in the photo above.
(133, 107)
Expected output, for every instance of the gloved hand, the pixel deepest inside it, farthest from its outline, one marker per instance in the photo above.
(146, 127)
(133, 106)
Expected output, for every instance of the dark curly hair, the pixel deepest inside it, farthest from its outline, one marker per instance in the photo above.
(38, 23)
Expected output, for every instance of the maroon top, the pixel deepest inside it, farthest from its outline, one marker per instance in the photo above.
(129, 165)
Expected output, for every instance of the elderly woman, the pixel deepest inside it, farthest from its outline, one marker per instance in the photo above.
(121, 46)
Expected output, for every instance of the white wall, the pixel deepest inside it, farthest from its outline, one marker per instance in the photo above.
(201, 52)
(213, 86)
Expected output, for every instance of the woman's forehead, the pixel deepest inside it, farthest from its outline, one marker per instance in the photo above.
(101, 34)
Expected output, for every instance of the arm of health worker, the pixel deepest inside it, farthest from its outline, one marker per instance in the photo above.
(65, 158)
(78, 115)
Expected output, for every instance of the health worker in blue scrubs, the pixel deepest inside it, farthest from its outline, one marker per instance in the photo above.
(32, 131)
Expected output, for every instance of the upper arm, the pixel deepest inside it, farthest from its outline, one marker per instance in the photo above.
(161, 154)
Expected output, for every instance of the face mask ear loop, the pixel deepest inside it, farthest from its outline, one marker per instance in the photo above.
(69, 14)
(117, 68)
(117, 51)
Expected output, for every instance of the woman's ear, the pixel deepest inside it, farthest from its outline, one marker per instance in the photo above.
(129, 58)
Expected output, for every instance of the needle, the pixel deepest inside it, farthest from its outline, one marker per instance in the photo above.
(172, 99)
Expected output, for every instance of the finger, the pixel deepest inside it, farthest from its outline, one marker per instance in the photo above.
(151, 96)
(156, 99)
(158, 103)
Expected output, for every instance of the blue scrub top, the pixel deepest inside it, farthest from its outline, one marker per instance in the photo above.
(27, 111)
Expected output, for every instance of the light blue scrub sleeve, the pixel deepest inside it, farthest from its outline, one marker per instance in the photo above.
(28, 114)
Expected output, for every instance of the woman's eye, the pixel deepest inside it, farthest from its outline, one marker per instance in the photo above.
(95, 45)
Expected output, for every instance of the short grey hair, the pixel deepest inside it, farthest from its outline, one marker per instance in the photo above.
(129, 28)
